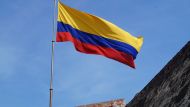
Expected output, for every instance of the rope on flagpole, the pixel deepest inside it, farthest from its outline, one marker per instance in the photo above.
(52, 56)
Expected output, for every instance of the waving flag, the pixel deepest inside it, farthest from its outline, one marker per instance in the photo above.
(93, 35)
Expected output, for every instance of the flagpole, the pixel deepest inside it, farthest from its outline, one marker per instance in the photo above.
(51, 75)
(52, 56)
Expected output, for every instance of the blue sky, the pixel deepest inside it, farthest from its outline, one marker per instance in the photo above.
(25, 51)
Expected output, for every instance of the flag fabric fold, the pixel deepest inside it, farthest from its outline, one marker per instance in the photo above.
(93, 35)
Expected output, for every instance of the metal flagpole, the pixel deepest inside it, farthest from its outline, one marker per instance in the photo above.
(52, 55)
(51, 78)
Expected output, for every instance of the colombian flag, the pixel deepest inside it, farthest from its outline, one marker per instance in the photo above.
(93, 35)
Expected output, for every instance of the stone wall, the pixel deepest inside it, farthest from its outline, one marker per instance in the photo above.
(170, 87)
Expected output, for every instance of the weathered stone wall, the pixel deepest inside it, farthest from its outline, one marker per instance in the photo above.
(170, 87)
(112, 103)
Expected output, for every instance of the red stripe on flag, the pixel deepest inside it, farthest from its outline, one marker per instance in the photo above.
(92, 49)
